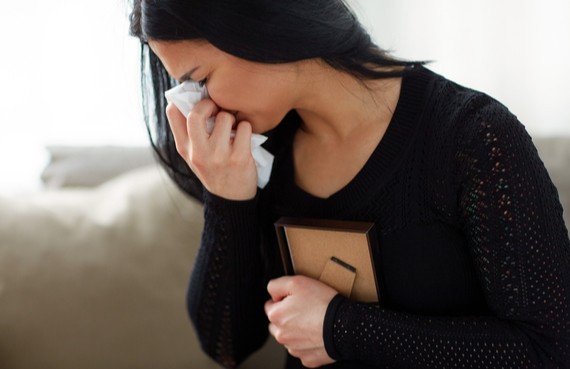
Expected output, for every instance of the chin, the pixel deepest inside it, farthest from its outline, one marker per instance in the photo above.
(240, 118)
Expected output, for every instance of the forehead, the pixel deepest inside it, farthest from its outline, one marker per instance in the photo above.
(178, 56)
(176, 49)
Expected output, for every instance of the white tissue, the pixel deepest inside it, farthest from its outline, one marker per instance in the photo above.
(188, 93)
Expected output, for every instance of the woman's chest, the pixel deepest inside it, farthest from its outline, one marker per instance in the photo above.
(422, 268)
(324, 169)
(427, 268)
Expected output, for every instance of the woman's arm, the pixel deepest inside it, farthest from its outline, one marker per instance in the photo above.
(512, 217)
(226, 293)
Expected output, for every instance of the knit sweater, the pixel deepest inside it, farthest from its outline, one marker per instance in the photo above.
(474, 255)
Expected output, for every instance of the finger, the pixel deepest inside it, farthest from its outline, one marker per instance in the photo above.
(242, 140)
(177, 124)
(196, 122)
(273, 330)
(280, 287)
(222, 129)
(267, 306)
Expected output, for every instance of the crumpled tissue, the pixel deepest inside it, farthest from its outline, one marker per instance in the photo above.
(185, 95)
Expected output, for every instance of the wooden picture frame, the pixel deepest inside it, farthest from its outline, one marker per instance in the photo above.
(342, 254)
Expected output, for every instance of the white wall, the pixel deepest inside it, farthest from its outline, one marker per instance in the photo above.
(517, 51)
(69, 75)
(69, 71)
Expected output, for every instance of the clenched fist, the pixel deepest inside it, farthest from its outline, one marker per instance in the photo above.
(224, 165)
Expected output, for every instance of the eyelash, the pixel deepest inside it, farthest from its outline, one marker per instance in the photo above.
(202, 82)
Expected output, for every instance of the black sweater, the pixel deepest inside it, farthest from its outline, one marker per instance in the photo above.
(474, 252)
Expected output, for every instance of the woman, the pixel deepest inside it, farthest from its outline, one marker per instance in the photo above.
(474, 251)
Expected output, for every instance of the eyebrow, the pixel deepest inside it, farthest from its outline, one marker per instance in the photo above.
(187, 76)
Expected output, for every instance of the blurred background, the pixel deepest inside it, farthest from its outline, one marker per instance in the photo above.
(96, 244)
(70, 72)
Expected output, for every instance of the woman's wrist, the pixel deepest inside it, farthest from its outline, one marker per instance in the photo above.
(217, 199)
(329, 325)
(240, 214)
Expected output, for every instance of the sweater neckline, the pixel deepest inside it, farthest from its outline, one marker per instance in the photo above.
(377, 169)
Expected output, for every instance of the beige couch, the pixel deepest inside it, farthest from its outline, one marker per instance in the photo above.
(95, 277)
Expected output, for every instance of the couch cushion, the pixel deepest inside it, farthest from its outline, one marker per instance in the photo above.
(87, 166)
(555, 153)
(96, 278)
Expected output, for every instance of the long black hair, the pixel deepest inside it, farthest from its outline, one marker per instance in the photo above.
(265, 31)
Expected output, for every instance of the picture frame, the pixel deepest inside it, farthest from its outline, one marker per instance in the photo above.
(343, 254)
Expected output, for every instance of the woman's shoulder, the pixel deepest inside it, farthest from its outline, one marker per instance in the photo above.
(483, 133)
(455, 101)
(464, 116)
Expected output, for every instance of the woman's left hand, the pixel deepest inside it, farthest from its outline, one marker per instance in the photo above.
(296, 313)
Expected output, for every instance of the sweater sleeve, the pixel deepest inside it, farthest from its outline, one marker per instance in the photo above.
(512, 217)
(226, 293)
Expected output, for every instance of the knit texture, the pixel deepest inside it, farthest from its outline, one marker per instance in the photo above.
(474, 255)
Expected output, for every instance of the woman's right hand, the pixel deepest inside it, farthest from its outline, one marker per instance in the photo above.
(224, 165)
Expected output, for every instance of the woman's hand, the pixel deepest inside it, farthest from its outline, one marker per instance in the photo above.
(223, 164)
(296, 313)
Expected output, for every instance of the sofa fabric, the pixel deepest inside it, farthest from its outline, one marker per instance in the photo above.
(96, 278)
(88, 166)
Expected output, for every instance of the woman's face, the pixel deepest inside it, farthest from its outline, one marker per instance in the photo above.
(259, 93)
